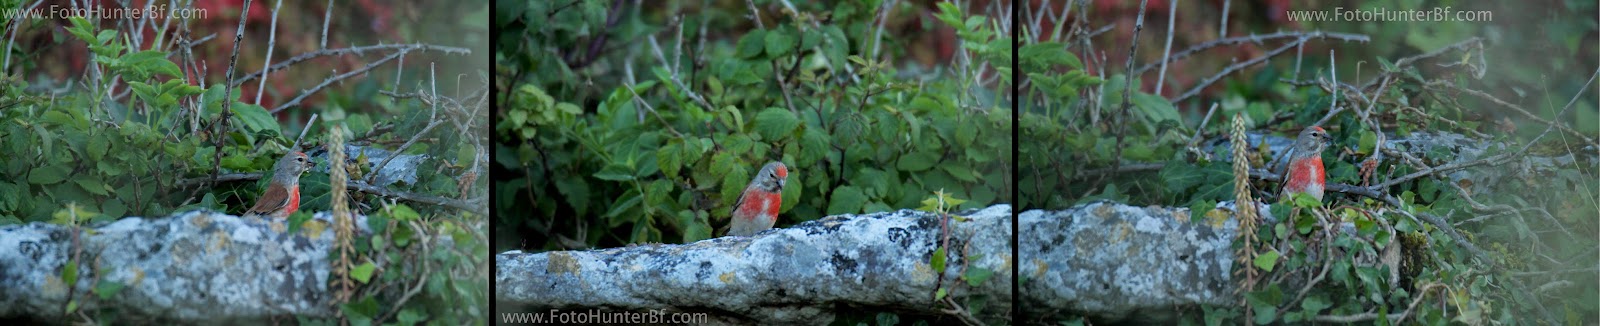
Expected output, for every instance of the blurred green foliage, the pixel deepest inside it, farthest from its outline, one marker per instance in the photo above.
(603, 149)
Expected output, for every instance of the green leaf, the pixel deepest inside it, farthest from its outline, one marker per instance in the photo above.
(976, 275)
(615, 173)
(92, 184)
(961, 172)
(152, 61)
(775, 123)
(1305, 200)
(751, 44)
(938, 260)
(1266, 261)
(780, 41)
(107, 289)
(403, 213)
(939, 295)
(48, 175)
(846, 200)
(255, 118)
(1314, 304)
(70, 273)
(887, 319)
(917, 161)
(1369, 141)
(363, 272)
(1156, 109)
(365, 309)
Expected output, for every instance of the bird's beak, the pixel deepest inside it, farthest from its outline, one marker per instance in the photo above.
(781, 182)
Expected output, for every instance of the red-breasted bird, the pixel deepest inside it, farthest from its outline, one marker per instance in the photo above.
(283, 192)
(1305, 172)
(757, 208)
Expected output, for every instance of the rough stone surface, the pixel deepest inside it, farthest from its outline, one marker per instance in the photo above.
(1119, 263)
(402, 169)
(192, 267)
(798, 275)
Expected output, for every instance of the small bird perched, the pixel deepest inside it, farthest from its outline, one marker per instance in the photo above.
(1305, 172)
(757, 208)
(283, 191)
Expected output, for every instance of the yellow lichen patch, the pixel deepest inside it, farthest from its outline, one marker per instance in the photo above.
(562, 263)
(922, 273)
(1103, 211)
(1123, 230)
(201, 220)
(727, 278)
(313, 228)
(1040, 267)
(53, 286)
(218, 239)
(1216, 216)
(278, 225)
(138, 276)
(1180, 216)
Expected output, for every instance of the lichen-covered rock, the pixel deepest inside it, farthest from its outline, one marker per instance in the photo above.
(192, 267)
(801, 274)
(1116, 262)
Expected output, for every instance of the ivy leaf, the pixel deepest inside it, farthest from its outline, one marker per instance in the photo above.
(107, 289)
(403, 213)
(976, 275)
(70, 273)
(1266, 261)
(363, 272)
(938, 260)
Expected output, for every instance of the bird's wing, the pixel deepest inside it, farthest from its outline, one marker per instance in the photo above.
(1280, 163)
(737, 202)
(273, 199)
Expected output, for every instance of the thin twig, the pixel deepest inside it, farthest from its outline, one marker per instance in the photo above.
(220, 129)
(303, 131)
(1172, 21)
(359, 50)
(1236, 67)
(327, 16)
(272, 40)
(1257, 39)
(337, 78)
(1223, 31)
(1369, 316)
(433, 121)
(1127, 88)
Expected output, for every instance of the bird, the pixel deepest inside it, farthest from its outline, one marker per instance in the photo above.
(283, 191)
(757, 207)
(1305, 171)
